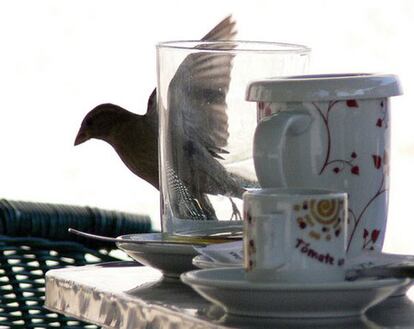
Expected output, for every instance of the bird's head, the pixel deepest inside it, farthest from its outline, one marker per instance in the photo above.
(100, 122)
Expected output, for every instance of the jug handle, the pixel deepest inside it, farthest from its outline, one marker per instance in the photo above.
(269, 143)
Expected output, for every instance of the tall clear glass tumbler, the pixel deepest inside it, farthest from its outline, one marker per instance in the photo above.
(206, 128)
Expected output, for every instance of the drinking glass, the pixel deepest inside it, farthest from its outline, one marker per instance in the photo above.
(207, 126)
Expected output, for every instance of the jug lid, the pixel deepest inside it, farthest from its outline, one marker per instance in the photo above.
(324, 87)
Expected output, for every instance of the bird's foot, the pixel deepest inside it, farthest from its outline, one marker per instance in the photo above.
(236, 215)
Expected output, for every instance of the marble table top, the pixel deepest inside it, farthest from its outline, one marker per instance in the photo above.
(125, 295)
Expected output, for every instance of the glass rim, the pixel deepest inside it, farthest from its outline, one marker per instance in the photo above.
(249, 46)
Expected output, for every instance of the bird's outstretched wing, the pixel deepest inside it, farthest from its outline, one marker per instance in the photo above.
(225, 30)
(204, 69)
(197, 126)
(197, 94)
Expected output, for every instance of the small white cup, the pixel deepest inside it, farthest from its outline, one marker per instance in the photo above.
(295, 235)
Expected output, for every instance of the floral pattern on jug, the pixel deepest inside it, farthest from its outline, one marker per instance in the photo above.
(379, 162)
(356, 162)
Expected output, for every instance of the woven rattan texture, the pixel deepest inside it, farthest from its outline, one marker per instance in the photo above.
(34, 240)
(24, 262)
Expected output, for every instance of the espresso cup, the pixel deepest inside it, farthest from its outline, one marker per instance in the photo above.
(294, 235)
(330, 132)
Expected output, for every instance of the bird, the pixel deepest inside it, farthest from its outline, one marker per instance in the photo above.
(197, 133)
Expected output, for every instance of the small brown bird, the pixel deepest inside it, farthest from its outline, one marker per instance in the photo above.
(195, 141)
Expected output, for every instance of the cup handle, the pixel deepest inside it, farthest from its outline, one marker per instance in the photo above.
(277, 231)
(265, 246)
(269, 143)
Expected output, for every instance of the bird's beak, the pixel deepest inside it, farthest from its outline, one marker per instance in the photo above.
(81, 137)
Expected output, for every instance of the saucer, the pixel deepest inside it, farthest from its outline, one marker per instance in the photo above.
(171, 259)
(228, 288)
(204, 262)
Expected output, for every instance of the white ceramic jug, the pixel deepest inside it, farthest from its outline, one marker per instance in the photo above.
(329, 131)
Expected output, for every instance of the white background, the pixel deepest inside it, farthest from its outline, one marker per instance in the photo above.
(58, 59)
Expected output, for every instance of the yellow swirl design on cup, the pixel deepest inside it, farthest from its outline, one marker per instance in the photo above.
(325, 211)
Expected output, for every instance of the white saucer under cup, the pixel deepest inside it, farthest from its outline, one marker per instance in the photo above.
(229, 288)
